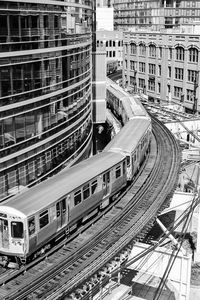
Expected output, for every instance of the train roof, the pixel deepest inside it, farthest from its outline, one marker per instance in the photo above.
(129, 136)
(39, 196)
(131, 103)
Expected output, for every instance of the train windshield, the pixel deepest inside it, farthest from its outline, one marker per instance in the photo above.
(17, 230)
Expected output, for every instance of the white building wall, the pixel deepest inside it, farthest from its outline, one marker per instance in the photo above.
(105, 17)
(179, 276)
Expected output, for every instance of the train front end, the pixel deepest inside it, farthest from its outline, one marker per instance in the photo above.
(12, 237)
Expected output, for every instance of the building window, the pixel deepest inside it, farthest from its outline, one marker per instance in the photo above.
(170, 53)
(142, 67)
(193, 55)
(180, 53)
(133, 65)
(151, 85)
(178, 91)
(191, 75)
(133, 49)
(152, 51)
(141, 83)
(179, 73)
(160, 52)
(190, 95)
(169, 72)
(159, 87)
(152, 69)
(126, 64)
(159, 70)
(142, 49)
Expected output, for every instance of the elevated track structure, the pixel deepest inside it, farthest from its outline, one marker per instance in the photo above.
(78, 268)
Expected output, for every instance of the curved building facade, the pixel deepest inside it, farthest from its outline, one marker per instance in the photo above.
(45, 88)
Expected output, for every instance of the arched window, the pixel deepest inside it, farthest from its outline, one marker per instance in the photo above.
(152, 50)
(142, 49)
(193, 55)
(133, 48)
(180, 53)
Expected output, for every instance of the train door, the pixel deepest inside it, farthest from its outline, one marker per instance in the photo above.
(62, 212)
(129, 167)
(4, 237)
(106, 183)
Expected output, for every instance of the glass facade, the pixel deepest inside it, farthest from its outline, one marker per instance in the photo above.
(154, 14)
(45, 88)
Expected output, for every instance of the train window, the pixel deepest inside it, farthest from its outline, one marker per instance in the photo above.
(64, 206)
(86, 191)
(128, 161)
(124, 167)
(57, 209)
(77, 197)
(44, 219)
(94, 186)
(17, 230)
(118, 172)
(106, 177)
(31, 226)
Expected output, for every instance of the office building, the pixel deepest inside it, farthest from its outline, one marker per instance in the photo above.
(164, 67)
(154, 14)
(45, 89)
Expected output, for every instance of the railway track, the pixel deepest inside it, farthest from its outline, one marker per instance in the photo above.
(60, 274)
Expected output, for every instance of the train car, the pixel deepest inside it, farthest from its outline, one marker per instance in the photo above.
(133, 140)
(33, 219)
(122, 104)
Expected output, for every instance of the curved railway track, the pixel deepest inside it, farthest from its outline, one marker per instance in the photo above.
(75, 263)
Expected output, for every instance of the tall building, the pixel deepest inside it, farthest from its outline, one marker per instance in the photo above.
(104, 3)
(164, 67)
(45, 89)
(154, 14)
(105, 18)
(112, 41)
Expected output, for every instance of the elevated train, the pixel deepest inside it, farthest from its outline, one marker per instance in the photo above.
(31, 221)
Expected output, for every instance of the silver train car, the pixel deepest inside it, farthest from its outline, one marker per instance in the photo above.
(122, 104)
(33, 220)
(133, 141)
